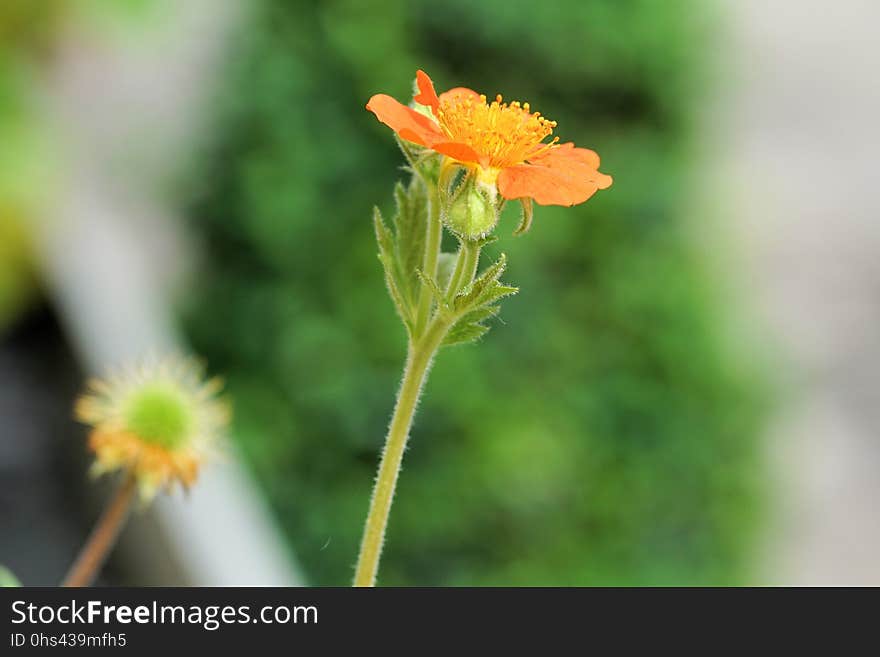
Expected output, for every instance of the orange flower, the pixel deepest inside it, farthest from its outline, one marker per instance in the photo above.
(504, 143)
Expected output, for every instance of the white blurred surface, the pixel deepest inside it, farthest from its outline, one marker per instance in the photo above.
(798, 135)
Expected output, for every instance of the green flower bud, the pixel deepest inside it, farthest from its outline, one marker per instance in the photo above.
(473, 212)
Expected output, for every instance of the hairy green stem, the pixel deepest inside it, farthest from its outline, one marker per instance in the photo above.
(433, 239)
(423, 345)
(418, 362)
(465, 267)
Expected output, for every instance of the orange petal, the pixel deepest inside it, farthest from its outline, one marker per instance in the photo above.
(427, 95)
(571, 152)
(564, 175)
(460, 92)
(457, 151)
(405, 121)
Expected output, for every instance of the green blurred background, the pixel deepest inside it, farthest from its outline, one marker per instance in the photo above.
(607, 430)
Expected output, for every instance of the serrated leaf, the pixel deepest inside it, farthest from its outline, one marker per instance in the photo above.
(477, 303)
(384, 236)
(410, 228)
(403, 306)
(471, 295)
(492, 272)
(464, 333)
(387, 257)
(493, 294)
(407, 151)
(470, 327)
(481, 314)
(436, 292)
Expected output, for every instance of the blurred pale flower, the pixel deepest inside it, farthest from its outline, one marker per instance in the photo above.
(159, 420)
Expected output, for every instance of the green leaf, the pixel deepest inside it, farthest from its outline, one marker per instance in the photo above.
(7, 579)
(402, 246)
(481, 314)
(410, 228)
(384, 237)
(464, 333)
(436, 292)
(482, 290)
(471, 327)
(387, 257)
(493, 294)
(477, 303)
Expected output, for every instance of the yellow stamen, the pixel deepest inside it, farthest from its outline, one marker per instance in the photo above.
(504, 134)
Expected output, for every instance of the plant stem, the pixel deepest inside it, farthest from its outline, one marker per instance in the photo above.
(433, 239)
(420, 354)
(418, 362)
(465, 267)
(103, 536)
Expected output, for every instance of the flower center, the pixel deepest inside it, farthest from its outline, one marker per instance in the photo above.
(159, 415)
(503, 133)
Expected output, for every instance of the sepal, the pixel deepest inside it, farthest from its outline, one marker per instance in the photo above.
(525, 221)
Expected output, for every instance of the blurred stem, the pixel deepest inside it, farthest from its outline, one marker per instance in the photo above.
(418, 362)
(433, 239)
(103, 537)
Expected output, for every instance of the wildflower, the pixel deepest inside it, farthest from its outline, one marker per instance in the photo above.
(445, 299)
(158, 420)
(502, 144)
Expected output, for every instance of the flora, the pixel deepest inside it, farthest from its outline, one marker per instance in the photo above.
(155, 424)
(501, 144)
(467, 157)
(157, 421)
